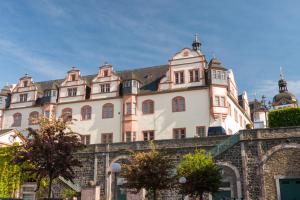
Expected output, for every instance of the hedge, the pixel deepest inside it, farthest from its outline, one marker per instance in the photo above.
(284, 117)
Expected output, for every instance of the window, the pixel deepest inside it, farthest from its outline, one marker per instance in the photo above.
(217, 101)
(54, 93)
(200, 131)
(72, 92)
(106, 138)
(104, 88)
(235, 115)
(179, 133)
(33, 118)
(223, 75)
(17, 119)
(105, 73)
(222, 103)
(229, 109)
(178, 104)
(148, 107)
(86, 112)
(130, 108)
(214, 75)
(73, 77)
(47, 93)
(66, 114)
(25, 83)
(218, 74)
(85, 139)
(0, 99)
(194, 75)
(130, 136)
(108, 111)
(148, 135)
(179, 77)
(23, 97)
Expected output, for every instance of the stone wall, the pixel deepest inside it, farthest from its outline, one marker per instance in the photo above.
(250, 164)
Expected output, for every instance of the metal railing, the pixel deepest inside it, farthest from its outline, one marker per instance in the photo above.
(75, 187)
(226, 144)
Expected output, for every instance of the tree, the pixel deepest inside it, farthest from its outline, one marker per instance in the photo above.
(151, 170)
(49, 150)
(201, 173)
(284, 117)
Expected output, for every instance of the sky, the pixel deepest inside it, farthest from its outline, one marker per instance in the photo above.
(45, 38)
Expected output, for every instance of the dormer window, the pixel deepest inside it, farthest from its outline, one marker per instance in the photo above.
(73, 77)
(72, 92)
(194, 75)
(104, 88)
(179, 77)
(25, 83)
(23, 97)
(105, 73)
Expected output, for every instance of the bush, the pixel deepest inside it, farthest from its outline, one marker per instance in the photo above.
(284, 117)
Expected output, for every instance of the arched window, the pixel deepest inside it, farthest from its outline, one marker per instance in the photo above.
(66, 114)
(178, 104)
(148, 107)
(108, 111)
(33, 118)
(17, 120)
(86, 112)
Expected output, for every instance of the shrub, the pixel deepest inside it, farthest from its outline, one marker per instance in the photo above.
(284, 117)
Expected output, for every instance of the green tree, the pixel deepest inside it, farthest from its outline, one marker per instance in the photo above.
(50, 150)
(201, 173)
(284, 117)
(151, 170)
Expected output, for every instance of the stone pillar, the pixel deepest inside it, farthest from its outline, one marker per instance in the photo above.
(92, 193)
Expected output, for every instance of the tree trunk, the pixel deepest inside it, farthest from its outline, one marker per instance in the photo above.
(50, 185)
(154, 194)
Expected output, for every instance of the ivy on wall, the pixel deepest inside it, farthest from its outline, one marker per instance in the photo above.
(10, 174)
(284, 117)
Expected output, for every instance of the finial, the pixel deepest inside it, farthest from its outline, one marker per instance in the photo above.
(196, 43)
(213, 54)
(281, 74)
(255, 96)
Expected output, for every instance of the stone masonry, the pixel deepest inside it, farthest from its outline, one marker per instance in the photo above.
(251, 164)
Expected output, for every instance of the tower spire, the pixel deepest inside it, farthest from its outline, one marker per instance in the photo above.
(196, 43)
(282, 83)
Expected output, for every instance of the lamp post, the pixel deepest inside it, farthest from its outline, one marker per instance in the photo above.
(115, 169)
(182, 181)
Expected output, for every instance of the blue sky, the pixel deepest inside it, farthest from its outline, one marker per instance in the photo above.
(254, 38)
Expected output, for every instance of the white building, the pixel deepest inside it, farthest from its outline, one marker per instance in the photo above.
(186, 98)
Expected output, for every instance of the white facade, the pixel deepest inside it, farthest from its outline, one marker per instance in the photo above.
(186, 98)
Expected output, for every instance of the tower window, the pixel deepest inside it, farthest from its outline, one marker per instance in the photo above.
(105, 88)
(148, 135)
(25, 83)
(73, 77)
(105, 73)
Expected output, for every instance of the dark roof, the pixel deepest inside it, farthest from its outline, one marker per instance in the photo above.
(3, 131)
(285, 95)
(148, 77)
(216, 64)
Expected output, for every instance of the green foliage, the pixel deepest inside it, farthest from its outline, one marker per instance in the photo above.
(10, 175)
(49, 150)
(68, 192)
(202, 174)
(284, 117)
(151, 170)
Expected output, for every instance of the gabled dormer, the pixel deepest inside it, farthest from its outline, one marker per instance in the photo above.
(73, 88)
(106, 83)
(24, 93)
(186, 69)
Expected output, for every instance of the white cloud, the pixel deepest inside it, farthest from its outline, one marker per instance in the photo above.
(30, 61)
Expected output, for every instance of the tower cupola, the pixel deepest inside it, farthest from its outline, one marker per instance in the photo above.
(196, 43)
(282, 82)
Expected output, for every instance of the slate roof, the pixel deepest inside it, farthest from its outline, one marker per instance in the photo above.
(216, 64)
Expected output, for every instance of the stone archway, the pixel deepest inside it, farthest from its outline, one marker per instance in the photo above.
(281, 161)
(231, 174)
